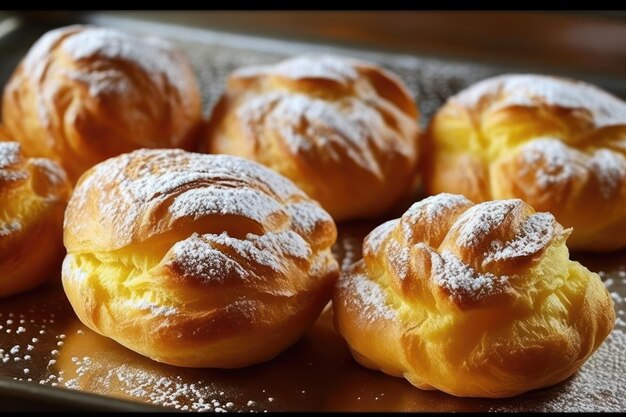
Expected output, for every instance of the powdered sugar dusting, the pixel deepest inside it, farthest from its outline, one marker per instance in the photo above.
(8, 228)
(306, 215)
(600, 385)
(198, 202)
(561, 163)
(534, 235)
(340, 70)
(53, 171)
(153, 308)
(553, 162)
(610, 170)
(156, 57)
(371, 297)
(307, 124)
(212, 257)
(399, 257)
(197, 258)
(376, 237)
(190, 185)
(530, 90)
(430, 209)
(460, 280)
(9, 154)
(480, 220)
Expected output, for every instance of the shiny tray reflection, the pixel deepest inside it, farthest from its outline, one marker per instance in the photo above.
(42, 341)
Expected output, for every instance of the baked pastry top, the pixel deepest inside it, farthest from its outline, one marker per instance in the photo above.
(33, 195)
(557, 144)
(477, 300)
(345, 131)
(196, 260)
(83, 94)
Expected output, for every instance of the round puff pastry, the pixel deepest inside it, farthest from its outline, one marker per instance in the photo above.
(344, 131)
(557, 144)
(83, 94)
(196, 260)
(474, 300)
(33, 196)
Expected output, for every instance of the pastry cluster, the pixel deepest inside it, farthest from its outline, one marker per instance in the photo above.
(205, 260)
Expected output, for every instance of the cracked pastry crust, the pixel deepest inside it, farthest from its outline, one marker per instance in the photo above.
(477, 300)
(33, 196)
(557, 144)
(83, 94)
(196, 260)
(345, 131)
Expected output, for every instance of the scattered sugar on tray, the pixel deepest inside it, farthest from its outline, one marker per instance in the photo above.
(600, 385)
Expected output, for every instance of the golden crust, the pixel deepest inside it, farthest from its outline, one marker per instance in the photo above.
(33, 195)
(558, 144)
(83, 94)
(474, 300)
(196, 260)
(344, 131)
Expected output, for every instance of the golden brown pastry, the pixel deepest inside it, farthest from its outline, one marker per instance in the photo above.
(83, 94)
(33, 196)
(345, 131)
(196, 260)
(557, 144)
(477, 300)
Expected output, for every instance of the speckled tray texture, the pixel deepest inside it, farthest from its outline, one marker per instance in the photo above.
(42, 341)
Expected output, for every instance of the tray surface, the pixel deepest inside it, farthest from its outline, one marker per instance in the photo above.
(42, 341)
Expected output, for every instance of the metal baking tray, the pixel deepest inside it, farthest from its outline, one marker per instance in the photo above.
(49, 360)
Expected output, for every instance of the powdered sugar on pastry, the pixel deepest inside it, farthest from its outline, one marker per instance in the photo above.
(528, 90)
(9, 154)
(154, 56)
(377, 236)
(462, 281)
(312, 125)
(191, 186)
(8, 228)
(429, 209)
(480, 220)
(369, 296)
(323, 66)
(535, 233)
(553, 162)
